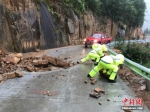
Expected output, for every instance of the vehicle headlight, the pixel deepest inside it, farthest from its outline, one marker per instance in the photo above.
(95, 40)
(84, 40)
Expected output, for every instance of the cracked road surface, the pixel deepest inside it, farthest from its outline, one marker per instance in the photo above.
(68, 91)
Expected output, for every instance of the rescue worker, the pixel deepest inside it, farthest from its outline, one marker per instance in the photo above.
(108, 72)
(108, 62)
(96, 45)
(103, 48)
(94, 55)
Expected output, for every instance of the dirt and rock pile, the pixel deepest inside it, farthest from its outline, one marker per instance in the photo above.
(12, 62)
(137, 83)
(96, 93)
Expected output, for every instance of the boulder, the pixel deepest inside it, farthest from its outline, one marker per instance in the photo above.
(1, 52)
(4, 59)
(1, 78)
(42, 63)
(16, 60)
(9, 60)
(18, 74)
(19, 55)
(95, 94)
(97, 90)
(61, 63)
(10, 75)
(50, 59)
(35, 62)
(30, 69)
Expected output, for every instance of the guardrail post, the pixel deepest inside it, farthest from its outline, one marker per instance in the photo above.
(139, 69)
(147, 85)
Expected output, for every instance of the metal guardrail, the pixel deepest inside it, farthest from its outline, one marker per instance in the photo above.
(139, 69)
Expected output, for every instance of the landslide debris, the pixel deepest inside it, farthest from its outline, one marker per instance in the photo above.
(10, 63)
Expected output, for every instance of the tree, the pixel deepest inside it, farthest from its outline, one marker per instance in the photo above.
(115, 9)
(130, 12)
(94, 5)
(140, 7)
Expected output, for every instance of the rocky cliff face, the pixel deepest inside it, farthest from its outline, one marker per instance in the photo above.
(19, 25)
(22, 27)
(137, 33)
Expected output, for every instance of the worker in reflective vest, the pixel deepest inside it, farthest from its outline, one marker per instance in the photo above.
(94, 55)
(103, 48)
(108, 72)
(96, 45)
(108, 62)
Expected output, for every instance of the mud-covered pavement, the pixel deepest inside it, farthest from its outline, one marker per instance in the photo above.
(67, 90)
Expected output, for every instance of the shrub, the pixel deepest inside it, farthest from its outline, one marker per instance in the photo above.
(136, 52)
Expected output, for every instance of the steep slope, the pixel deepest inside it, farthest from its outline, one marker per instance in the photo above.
(26, 27)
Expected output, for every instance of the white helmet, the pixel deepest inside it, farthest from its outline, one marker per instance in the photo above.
(121, 57)
(104, 48)
(95, 46)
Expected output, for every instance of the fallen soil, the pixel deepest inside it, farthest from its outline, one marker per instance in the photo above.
(11, 64)
(136, 83)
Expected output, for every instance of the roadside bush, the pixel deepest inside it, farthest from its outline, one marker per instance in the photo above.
(136, 52)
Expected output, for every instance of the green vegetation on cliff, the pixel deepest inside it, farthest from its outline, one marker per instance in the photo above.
(130, 12)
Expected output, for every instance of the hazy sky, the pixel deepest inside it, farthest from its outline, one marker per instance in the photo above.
(147, 15)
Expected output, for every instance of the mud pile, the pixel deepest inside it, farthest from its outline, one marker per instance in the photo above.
(136, 83)
(12, 62)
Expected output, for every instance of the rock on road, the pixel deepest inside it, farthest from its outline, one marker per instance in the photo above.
(67, 90)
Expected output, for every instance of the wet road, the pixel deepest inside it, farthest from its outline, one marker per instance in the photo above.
(69, 92)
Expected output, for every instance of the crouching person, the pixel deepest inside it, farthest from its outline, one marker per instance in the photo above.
(108, 63)
(96, 45)
(94, 55)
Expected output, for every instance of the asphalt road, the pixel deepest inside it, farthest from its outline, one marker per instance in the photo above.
(69, 92)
